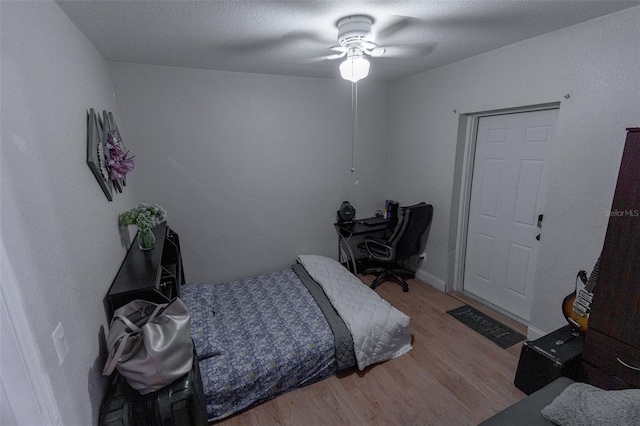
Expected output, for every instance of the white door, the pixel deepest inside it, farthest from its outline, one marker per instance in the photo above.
(507, 197)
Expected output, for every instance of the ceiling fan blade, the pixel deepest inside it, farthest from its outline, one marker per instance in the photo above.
(399, 24)
(409, 50)
(336, 55)
(368, 45)
(250, 47)
(283, 43)
(304, 37)
(377, 52)
(321, 58)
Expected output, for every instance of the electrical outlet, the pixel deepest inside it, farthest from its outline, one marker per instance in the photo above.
(60, 343)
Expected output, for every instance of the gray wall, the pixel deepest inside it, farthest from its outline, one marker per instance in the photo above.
(596, 63)
(251, 168)
(59, 231)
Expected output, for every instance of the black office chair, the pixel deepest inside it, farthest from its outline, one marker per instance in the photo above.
(400, 254)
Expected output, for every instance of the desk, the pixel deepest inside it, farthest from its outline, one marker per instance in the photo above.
(350, 234)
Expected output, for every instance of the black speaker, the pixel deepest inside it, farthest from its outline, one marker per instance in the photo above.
(549, 357)
(347, 213)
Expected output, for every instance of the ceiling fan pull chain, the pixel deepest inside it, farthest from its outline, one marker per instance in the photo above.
(354, 127)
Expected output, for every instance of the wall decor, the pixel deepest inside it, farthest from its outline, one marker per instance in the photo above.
(96, 151)
(107, 156)
(106, 128)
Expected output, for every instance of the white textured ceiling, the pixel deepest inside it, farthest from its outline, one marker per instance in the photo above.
(280, 37)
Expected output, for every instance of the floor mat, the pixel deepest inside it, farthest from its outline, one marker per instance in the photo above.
(493, 330)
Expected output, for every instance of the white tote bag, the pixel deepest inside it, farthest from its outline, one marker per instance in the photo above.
(150, 344)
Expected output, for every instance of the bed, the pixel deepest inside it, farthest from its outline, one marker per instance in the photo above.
(259, 337)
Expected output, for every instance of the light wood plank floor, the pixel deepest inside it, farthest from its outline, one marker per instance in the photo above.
(453, 376)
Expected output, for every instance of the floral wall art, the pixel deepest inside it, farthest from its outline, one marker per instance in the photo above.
(107, 156)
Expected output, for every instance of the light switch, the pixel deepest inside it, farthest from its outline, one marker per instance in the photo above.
(60, 343)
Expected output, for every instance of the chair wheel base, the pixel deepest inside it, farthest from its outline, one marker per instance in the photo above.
(389, 275)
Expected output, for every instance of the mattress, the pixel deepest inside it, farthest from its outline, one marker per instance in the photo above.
(259, 337)
(380, 332)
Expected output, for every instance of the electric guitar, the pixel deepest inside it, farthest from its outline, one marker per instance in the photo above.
(576, 307)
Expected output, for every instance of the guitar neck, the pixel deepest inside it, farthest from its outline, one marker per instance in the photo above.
(593, 278)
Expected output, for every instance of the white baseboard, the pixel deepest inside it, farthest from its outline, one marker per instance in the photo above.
(432, 280)
(534, 333)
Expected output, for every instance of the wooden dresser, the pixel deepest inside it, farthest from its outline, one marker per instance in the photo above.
(611, 355)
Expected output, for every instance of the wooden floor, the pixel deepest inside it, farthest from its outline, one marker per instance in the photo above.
(453, 375)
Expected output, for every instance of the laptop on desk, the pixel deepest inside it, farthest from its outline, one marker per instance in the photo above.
(371, 221)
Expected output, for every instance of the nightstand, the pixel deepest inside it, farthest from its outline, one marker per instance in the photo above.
(154, 275)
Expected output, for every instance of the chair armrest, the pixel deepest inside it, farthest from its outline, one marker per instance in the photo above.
(378, 250)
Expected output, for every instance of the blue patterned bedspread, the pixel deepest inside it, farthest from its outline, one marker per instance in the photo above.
(257, 338)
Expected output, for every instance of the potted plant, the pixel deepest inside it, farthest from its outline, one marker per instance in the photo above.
(145, 217)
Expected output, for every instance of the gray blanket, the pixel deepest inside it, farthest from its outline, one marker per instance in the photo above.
(581, 404)
(345, 356)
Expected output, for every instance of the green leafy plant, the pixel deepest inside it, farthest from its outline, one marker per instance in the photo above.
(145, 217)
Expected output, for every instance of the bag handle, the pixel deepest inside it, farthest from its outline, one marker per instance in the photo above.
(112, 360)
(130, 325)
(157, 311)
(121, 341)
(133, 327)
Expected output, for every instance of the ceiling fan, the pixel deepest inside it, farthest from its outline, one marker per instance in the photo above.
(359, 37)
(356, 42)
(354, 33)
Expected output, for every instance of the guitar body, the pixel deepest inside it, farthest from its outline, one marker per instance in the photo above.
(578, 320)
(576, 307)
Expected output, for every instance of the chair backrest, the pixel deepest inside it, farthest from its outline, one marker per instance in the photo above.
(412, 223)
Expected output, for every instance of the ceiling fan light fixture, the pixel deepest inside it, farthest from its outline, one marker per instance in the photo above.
(355, 67)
